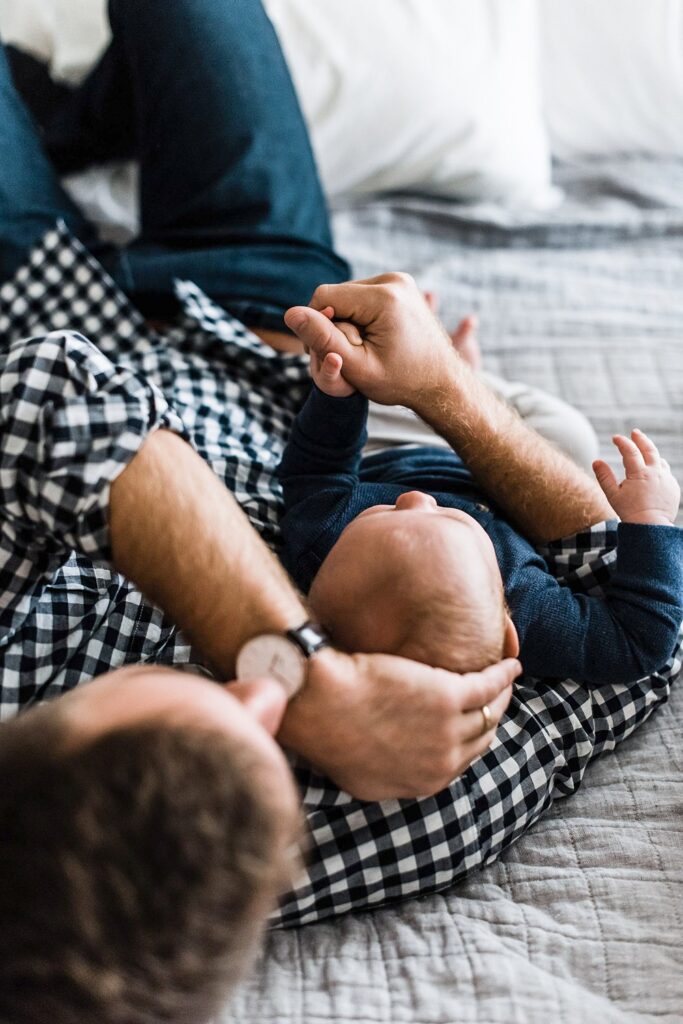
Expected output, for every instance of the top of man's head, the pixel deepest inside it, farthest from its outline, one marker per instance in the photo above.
(421, 586)
(136, 871)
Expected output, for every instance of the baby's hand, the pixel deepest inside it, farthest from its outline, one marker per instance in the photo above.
(326, 371)
(327, 374)
(650, 493)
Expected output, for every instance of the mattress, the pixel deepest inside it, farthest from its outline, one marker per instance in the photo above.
(582, 919)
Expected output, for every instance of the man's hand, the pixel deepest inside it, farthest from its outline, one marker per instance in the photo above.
(650, 492)
(383, 727)
(393, 347)
(396, 352)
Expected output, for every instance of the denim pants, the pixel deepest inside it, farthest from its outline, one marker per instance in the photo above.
(199, 93)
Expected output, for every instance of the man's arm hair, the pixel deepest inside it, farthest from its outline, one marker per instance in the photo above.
(546, 494)
(180, 536)
(378, 726)
(404, 356)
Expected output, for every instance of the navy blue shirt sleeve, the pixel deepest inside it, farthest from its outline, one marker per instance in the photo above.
(325, 446)
(625, 635)
(319, 474)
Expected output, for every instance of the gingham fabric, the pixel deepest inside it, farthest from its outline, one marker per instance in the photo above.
(78, 398)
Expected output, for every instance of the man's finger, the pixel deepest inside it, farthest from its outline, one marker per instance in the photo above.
(476, 723)
(360, 303)
(478, 688)
(630, 454)
(318, 333)
(648, 449)
(606, 477)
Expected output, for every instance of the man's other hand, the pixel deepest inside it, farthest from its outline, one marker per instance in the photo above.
(383, 727)
(393, 347)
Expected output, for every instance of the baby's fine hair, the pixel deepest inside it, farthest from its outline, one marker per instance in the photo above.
(454, 621)
(458, 628)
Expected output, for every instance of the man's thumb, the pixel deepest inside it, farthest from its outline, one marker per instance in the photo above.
(311, 327)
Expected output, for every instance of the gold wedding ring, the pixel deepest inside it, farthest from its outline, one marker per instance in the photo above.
(487, 724)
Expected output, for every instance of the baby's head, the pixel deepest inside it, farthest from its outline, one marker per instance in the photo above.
(419, 581)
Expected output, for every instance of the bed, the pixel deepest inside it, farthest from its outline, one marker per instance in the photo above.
(582, 919)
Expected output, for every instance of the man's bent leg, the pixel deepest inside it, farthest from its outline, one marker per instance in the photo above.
(31, 197)
(230, 195)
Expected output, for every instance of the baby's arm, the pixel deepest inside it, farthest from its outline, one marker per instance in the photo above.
(327, 440)
(631, 631)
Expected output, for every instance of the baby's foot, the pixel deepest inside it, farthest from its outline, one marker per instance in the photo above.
(466, 343)
(432, 300)
(464, 337)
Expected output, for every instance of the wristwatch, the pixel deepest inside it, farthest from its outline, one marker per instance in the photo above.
(282, 656)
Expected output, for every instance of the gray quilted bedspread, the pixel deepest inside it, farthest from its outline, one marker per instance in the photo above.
(582, 920)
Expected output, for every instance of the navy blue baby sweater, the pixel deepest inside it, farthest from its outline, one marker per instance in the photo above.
(624, 636)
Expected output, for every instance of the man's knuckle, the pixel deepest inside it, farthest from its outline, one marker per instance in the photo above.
(401, 279)
(446, 702)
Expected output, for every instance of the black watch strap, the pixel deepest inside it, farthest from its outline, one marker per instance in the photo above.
(309, 638)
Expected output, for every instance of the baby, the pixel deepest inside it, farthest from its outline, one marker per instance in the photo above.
(424, 585)
(403, 553)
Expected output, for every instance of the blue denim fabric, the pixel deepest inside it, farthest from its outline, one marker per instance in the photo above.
(199, 92)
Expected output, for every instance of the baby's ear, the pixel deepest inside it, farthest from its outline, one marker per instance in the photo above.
(510, 640)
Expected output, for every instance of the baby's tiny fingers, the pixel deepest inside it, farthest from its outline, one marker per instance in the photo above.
(648, 449)
(606, 478)
(630, 454)
(351, 333)
(332, 365)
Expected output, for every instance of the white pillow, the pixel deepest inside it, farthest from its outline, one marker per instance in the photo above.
(69, 34)
(437, 95)
(613, 76)
(441, 96)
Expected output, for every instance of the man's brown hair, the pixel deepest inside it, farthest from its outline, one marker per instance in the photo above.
(135, 872)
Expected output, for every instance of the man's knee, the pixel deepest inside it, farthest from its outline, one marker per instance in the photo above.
(235, 10)
(195, 23)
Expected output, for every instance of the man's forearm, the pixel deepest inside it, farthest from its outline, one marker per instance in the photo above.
(179, 535)
(539, 487)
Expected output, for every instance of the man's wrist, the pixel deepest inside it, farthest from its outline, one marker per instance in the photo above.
(282, 654)
(449, 381)
(309, 725)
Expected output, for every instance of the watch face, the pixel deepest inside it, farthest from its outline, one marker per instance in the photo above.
(274, 657)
